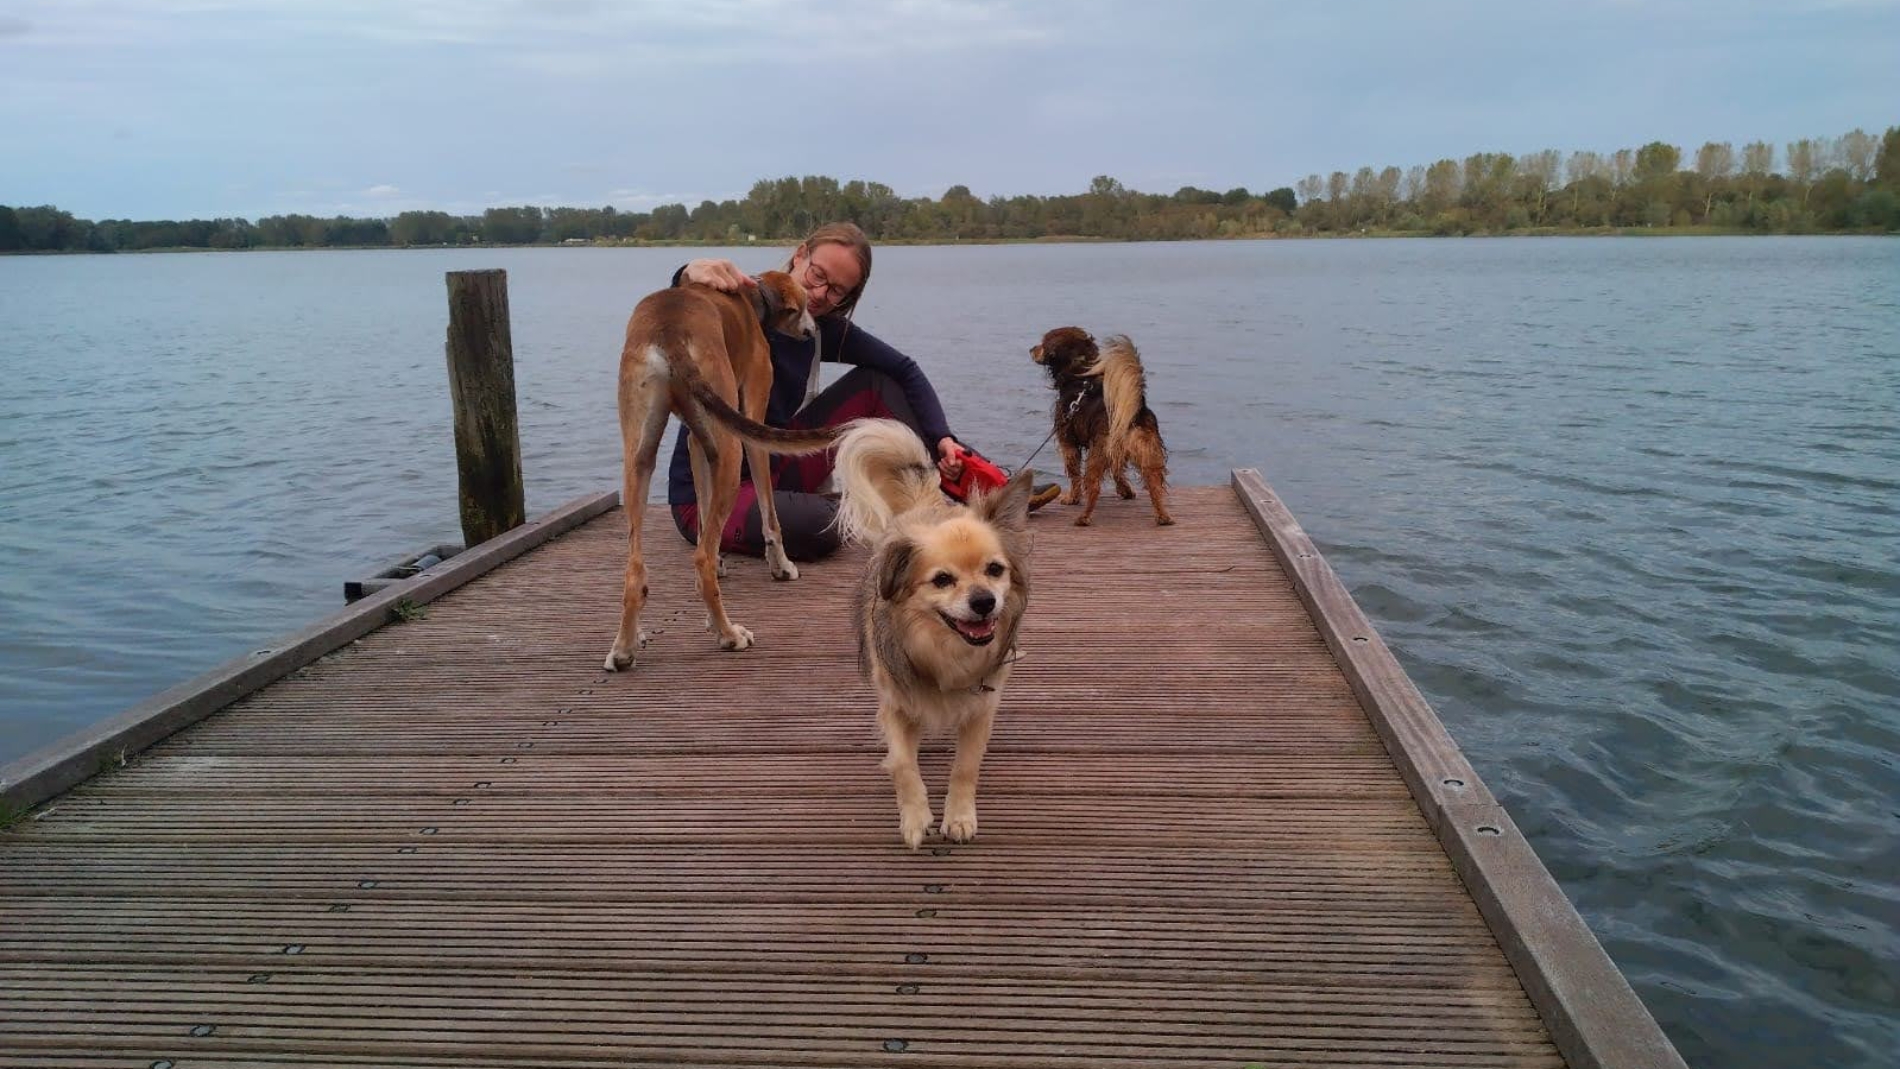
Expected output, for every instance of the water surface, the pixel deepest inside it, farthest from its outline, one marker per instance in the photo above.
(1626, 510)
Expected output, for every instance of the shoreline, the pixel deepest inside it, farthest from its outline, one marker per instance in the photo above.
(1381, 235)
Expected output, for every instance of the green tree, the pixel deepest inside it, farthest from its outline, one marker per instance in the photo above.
(1657, 161)
(966, 216)
(420, 228)
(1442, 187)
(666, 223)
(45, 228)
(1714, 162)
(1654, 179)
(1537, 176)
(1311, 188)
(1857, 149)
(511, 226)
(1804, 163)
(1887, 160)
(1877, 209)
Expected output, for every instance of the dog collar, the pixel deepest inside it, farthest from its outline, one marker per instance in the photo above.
(984, 686)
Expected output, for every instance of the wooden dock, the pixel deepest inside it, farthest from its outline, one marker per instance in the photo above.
(1219, 828)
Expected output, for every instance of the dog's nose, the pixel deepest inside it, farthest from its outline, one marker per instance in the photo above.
(982, 602)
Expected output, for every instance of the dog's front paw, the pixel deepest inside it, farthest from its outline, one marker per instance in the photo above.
(1081, 521)
(620, 658)
(913, 825)
(735, 640)
(960, 827)
(1164, 520)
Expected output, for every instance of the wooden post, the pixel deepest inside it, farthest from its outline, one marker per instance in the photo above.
(482, 389)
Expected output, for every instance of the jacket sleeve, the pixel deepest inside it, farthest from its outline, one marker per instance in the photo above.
(845, 343)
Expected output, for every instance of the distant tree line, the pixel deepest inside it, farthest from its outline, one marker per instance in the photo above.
(1850, 183)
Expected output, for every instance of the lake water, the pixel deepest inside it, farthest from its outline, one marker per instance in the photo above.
(1626, 509)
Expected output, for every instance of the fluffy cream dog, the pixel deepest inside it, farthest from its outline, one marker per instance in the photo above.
(937, 611)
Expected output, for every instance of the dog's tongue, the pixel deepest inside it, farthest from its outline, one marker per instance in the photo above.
(977, 628)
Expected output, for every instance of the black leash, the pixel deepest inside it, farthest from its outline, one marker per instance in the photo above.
(1073, 406)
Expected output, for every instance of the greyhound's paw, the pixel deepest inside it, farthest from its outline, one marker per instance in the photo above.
(781, 565)
(618, 660)
(1082, 521)
(1164, 520)
(735, 640)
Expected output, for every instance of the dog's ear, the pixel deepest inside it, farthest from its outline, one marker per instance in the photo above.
(892, 567)
(1008, 508)
(771, 298)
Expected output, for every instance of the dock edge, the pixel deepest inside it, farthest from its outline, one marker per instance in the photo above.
(61, 765)
(1593, 1015)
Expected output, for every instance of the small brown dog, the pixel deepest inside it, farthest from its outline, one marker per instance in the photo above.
(1102, 409)
(938, 611)
(697, 352)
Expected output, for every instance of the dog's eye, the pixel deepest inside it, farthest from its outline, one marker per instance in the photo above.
(995, 570)
(943, 579)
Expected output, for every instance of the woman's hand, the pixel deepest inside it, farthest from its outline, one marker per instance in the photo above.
(950, 459)
(722, 275)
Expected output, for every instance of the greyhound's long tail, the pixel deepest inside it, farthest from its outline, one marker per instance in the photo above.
(883, 471)
(695, 400)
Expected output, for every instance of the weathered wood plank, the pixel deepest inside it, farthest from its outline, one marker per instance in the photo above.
(454, 841)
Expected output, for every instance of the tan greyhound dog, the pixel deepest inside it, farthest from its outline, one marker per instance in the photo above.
(696, 352)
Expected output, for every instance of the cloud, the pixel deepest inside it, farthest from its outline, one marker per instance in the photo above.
(381, 191)
(639, 200)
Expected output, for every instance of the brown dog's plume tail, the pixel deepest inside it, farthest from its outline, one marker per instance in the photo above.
(1124, 386)
(883, 470)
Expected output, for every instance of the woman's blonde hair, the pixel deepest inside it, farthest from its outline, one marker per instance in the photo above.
(848, 235)
(852, 238)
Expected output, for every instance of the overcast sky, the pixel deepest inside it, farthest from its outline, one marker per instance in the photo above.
(152, 109)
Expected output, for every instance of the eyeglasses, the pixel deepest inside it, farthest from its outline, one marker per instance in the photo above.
(816, 282)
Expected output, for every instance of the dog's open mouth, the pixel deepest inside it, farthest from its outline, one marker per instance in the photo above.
(975, 632)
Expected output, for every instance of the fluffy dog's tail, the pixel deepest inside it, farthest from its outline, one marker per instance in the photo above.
(1124, 386)
(883, 471)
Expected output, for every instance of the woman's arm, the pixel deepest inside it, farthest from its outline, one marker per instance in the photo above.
(849, 344)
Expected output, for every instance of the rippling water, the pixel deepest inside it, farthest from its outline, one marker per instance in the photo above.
(1626, 509)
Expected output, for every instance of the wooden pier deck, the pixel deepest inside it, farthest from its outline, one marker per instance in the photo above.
(1219, 828)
